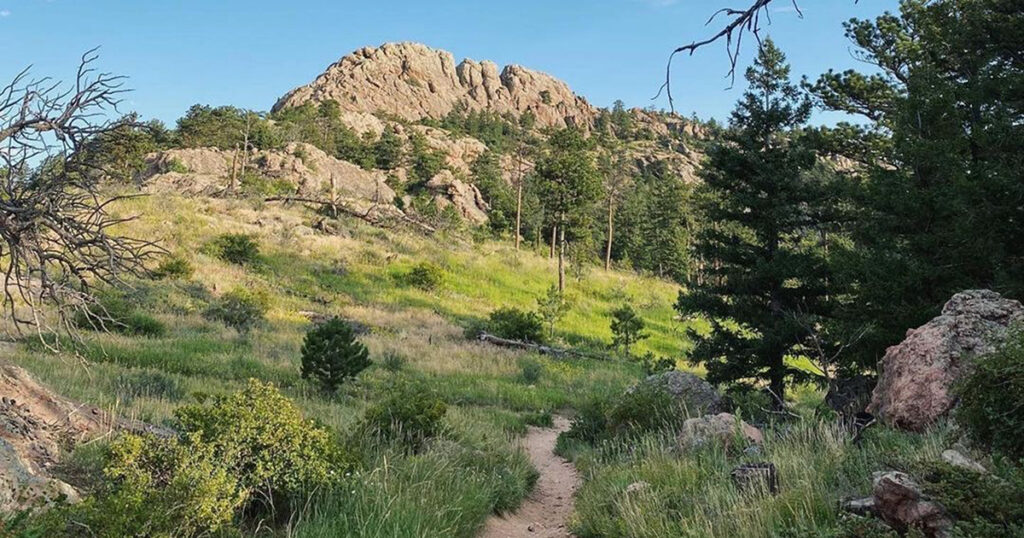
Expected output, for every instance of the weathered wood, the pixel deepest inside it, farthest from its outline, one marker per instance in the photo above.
(538, 348)
(337, 205)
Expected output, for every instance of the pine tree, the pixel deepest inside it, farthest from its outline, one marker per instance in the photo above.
(568, 185)
(331, 354)
(769, 273)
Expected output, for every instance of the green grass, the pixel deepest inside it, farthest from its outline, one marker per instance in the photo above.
(476, 468)
(691, 495)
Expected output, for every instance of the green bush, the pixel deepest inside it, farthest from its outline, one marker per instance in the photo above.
(133, 384)
(990, 397)
(426, 276)
(589, 425)
(644, 408)
(409, 414)
(261, 437)
(159, 487)
(247, 454)
(241, 309)
(239, 249)
(331, 353)
(984, 505)
(174, 267)
(654, 364)
(113, 310)
(530, 371)
(515, 324)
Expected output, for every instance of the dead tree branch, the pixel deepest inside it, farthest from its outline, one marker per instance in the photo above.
(740, 22)
(57, 239)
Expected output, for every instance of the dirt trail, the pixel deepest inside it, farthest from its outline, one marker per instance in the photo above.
(544, 513)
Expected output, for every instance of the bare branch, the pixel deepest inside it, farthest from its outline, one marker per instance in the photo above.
(740, 22)
(56, 237)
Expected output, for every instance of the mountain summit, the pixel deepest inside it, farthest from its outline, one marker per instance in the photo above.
(415, 82)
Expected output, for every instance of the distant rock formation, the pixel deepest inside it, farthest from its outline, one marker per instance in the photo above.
(915, 385)
(307, 169)
(414, 82)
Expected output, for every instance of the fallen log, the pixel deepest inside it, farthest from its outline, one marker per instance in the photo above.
(362, 215)
(537, 348)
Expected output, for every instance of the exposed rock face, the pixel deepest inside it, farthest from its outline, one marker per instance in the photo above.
(697, 395)
(898, 500)
(34, 426)
(307, 168)
(464, 197)
(723, 428)
(414, 82)
(918, 374)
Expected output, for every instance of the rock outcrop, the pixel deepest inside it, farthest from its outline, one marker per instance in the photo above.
(723, 429)
(691, 392)
(464, 197)
(414, 82)
(915, 386)
(899, 502)
(306, 168)
(36, 426)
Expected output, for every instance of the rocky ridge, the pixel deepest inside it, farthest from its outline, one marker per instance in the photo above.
(415, 82)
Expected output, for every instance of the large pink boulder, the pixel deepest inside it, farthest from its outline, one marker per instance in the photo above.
(918, 374)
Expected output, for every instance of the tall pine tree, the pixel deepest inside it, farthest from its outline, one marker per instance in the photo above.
(766, 272)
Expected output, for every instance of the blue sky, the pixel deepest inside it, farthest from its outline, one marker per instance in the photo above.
(248, 53)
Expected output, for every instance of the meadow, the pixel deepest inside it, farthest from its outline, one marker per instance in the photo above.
(357, 273)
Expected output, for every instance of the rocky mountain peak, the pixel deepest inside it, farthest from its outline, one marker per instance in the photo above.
(414, 82)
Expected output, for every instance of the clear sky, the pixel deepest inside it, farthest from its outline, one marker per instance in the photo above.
(247, 53)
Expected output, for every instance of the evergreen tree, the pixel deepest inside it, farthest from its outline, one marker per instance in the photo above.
(938, 162)
(388, 150)
(331, 354)
(627, 328)
(568, 186)
(768, 273)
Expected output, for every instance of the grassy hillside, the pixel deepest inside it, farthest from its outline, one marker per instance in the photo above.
(359, 273)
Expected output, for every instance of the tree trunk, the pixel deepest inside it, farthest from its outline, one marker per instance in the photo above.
(234, 174)
(777, 384)
(561, 259)
(554, 235)
(611, 232)
(519, 195)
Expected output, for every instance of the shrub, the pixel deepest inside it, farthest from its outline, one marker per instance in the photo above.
(161, 487)
(241, 309)
(589, 425)
(174, 267)
(627, 328)
(645, 408)
(239, 249)
(147, 384)
(247, 453)
(530, 371)
(176, 166)
(263, 440)
(990, 398)
(654, 364)
(410, 414)
(331, 353)
(113, 311)
(426, 276)
(979, 500)
(393, 362)
(515, 324)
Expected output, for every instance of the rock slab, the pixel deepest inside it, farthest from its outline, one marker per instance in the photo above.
(918, 374)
